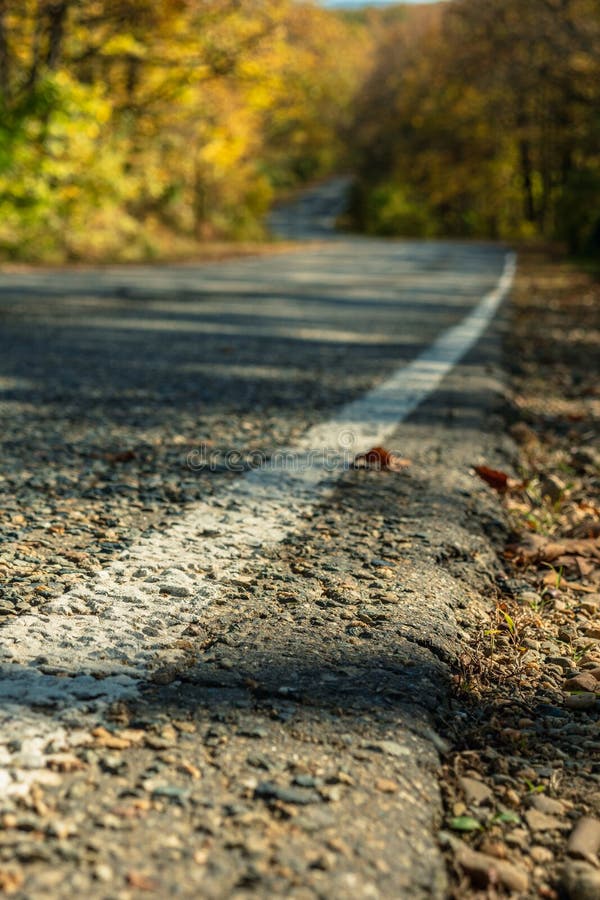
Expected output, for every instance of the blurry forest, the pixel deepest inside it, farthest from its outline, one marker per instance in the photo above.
(482, 118)
(131, 128)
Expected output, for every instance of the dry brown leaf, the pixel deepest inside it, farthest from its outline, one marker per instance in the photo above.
(494, 477)
(379, 458)
(535, 548)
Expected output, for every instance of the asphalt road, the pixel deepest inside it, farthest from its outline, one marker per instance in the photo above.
(323, 640)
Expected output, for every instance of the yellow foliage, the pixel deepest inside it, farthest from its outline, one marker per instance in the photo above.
(185, 113)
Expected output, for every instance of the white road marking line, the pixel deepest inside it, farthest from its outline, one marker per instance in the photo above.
(117, 625)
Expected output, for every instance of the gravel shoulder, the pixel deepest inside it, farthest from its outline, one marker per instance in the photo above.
(522, 788)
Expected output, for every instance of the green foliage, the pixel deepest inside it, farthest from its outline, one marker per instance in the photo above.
(465, 823)
(127, 125)
(391, 210)
(60, 175)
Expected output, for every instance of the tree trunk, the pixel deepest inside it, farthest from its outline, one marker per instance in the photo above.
(57, 14)
(527, 179)
(4, 57)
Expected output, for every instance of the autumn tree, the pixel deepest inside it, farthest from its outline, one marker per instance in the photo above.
(127, 124)
(493, 122)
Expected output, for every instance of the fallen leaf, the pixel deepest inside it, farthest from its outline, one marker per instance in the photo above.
(464, 823)
(536, 548)
(379, 458)
(585, 567)
(494, 477)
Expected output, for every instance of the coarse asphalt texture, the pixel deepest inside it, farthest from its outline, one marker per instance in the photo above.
(278, 733)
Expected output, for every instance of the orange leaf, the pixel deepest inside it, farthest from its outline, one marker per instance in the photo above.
(495, 478)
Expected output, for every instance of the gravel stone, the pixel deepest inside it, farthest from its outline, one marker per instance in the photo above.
(485, 870)
(476, 792)
(584, 841)
(580, 881)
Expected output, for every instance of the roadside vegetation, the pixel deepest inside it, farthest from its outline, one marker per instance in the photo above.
(131, 129)
(480, 119)
(525, 774)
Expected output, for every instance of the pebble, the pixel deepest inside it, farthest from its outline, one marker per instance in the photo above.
(390, 748)
(586, 681)
(554, 712)
(562, 661)
(484, 870)
(476, 792)
(582, 701)
(584, 841)
(540, 821)
(176, 590)
(268, 790)
(255, 731)
(386, 785)
(518, 837)
(103, 872)
(541, 855)
(591, 604)
(547, 805)
(580, 881)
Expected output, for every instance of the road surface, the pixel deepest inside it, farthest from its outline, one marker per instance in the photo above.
(190, 562)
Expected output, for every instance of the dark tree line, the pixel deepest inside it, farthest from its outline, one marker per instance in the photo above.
(484, 119)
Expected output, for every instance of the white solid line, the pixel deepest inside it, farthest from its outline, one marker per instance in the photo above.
(108, 634)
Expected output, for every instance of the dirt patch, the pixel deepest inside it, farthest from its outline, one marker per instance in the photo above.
(524, 787)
